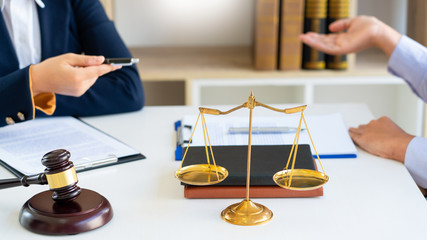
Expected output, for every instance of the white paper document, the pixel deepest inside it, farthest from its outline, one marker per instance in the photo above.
(23, 145)
(329, 133)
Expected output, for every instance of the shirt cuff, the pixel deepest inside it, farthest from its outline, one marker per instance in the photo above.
(408, 61)
(45, 102)
(416, 160)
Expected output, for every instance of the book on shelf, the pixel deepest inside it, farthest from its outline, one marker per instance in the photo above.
(314, 21)
(337, 9)
(265, 162)
(416, 14)
(291, 26)
(266, 34)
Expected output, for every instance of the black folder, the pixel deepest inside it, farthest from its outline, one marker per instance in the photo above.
(265, 161)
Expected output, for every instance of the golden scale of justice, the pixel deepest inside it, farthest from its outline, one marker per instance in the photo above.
(247, 212)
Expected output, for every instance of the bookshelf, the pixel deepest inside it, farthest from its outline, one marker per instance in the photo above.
(223, 73)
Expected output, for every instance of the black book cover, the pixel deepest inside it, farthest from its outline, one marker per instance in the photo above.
(314, 21)
(265, 162)
(337, 9)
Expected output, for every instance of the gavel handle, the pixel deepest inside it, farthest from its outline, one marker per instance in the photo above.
(24, 181)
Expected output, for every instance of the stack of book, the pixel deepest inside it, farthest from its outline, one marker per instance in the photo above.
(278, 24)
(265, 162)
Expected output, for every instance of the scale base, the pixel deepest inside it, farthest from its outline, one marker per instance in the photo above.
(41, 214)
(247, 213)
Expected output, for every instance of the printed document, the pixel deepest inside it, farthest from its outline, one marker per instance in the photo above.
(328, 131)
(23, 145)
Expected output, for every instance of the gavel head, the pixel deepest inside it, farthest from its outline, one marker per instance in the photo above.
(61, 175)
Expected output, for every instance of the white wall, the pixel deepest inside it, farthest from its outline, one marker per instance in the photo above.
(214, 22)
(392, 12)
(185, 22)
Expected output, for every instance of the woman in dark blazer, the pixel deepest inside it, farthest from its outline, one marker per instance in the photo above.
(68, 26)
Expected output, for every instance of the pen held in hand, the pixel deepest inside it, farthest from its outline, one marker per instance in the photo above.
(121, 61)
(263, 130)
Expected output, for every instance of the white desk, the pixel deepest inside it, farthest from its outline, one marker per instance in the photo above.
(366, 198)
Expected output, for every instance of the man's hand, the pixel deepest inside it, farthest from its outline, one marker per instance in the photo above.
(353, 35)
(383, 138)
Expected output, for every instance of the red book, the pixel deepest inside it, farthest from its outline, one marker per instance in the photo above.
(240, 192)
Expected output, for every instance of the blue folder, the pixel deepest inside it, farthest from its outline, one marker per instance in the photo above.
(178, 150)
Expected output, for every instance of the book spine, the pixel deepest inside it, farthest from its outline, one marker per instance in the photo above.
(315, 21)
(416, 14)
(266, 34)
(337, 9)
(291, 26)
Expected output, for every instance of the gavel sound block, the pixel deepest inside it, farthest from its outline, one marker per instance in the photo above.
(65, 209)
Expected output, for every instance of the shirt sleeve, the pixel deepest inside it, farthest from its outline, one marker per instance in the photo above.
(416, 160)
(409, 62)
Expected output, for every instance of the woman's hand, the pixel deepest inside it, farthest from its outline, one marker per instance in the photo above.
(68, 74)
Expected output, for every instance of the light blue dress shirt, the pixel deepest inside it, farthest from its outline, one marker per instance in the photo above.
(409, 61)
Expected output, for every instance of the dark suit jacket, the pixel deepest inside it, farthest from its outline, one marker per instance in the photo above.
(71, 26)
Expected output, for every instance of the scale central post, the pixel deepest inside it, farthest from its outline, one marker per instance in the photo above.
(247, 212)
(251, 105)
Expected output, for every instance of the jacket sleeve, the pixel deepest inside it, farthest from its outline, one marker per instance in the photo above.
(115, 92)
(15, 97)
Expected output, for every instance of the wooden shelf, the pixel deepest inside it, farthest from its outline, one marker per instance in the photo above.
(195, 76)
(170, 64)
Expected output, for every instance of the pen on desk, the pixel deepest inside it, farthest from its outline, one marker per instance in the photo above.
(101, 162)
(262, 130)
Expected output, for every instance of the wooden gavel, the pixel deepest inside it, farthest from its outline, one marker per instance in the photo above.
(60, 174)
(70, 209)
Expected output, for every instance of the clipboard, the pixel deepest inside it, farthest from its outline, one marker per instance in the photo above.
(79, 168)
(23, 145)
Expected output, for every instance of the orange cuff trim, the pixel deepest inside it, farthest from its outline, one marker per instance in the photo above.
(45, 102)
(31, 92)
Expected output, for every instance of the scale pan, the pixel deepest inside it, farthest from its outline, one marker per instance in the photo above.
(302, 179)
(201, 174)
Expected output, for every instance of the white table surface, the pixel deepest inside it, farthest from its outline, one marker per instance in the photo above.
(366, 198)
